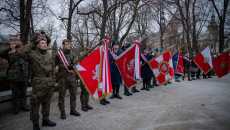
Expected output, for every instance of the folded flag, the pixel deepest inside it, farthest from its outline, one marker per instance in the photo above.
(178, 64)
(221, 64)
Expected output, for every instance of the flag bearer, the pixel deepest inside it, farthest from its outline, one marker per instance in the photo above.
(116, 78)
(146, 72)
(64, 60)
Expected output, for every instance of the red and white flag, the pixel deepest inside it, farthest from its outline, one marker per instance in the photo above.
(221, 64)
(88, 72)
(128, 64)
(105, 75)
(204, 60)
(162, 67)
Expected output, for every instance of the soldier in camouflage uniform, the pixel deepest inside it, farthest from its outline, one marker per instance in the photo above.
(43, 71)
(84, 94)
(16, 75)
(68, 80)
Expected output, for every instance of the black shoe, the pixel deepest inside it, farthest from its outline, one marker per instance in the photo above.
(143, 88)
(198, 78)
(16, 110)
(135, 89)
(106, 101)
(126, 94)
(102, 102)
(177, 80)
(84, 108)
(210, 77)
(89, 107)
(48, 123)
(63, 116)
(193, 79)
(118, 96)
(189, 80)
(74, 112)
(147, 89)
(151, 86)
(25, 108)
(36, 127)
(165, 84)
(169, 82)
(130, 93)
(113, 96)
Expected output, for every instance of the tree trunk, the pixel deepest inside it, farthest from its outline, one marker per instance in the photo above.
(25, 17)
(69, 25)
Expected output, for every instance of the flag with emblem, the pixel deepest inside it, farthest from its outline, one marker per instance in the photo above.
(128, 64)
(88, 72)
(221, 64)
(162, 67)
(204, 60)
(178, 64)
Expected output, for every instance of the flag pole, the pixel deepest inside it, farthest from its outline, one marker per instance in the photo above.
(80, 58)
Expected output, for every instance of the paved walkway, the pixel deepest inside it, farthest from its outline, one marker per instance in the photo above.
(199, 104)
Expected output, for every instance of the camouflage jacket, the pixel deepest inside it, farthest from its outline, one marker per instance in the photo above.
(41, 62)
(17, 69)
(71, 58)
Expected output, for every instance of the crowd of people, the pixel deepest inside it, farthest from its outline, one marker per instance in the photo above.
(32, 64)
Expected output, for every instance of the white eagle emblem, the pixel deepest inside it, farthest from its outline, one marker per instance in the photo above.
(206, 60)
(130, 66)
(164, 67)
(96, 72)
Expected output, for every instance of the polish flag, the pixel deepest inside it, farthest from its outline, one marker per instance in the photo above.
(221, 64)
(88, 72)
(204, 60)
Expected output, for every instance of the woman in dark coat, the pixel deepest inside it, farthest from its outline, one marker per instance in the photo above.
(146, 72)
(116, 78)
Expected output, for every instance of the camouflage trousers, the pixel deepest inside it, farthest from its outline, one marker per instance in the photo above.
(65, 84)
(84, 96)
(18, 93)
(41, 95)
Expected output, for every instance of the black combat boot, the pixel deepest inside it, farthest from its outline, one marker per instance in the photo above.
(74, 112)
(102, 102)
(48, 123)
(63, 116)
(16, 110)
(36, 127)
(25, 108)
(135, 89)
(130, 93)
(89, 107)
(84, 108)
(117, 91)
(114, 87)
(144, 83)
(106, 101)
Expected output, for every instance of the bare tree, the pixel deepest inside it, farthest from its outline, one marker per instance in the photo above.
(221, 13)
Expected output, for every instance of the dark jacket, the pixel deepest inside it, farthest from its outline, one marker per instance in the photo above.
(146, 72)
(115, 73)
(17, 69)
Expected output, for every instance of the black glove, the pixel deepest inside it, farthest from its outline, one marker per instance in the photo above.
(70, 67)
